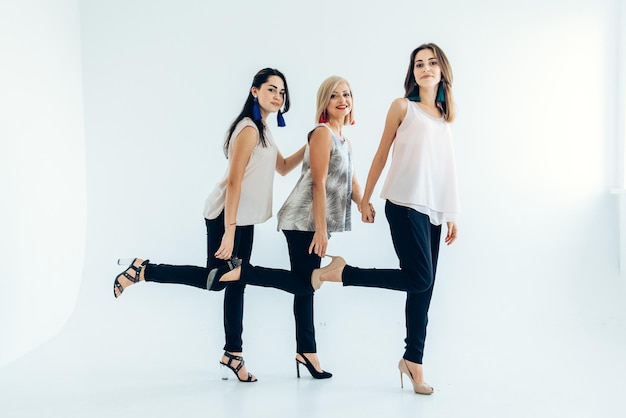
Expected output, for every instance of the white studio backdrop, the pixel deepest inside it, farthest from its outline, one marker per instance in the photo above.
(535, 139)
(42, 171)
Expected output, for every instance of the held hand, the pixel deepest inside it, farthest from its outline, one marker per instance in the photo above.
(452, 232)
(319, 244)
(226, 247)
(367, 212)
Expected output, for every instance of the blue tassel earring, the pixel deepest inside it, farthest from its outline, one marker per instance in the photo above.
(441, 97)
(280, 119)
(256, 112)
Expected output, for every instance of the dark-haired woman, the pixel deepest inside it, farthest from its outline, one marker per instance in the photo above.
(240, 200)
(319, 204)
(421, 194)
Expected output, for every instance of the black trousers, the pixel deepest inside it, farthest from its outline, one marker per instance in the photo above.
(197, 276)
(286, 280)
(416, 242)
(302, 265)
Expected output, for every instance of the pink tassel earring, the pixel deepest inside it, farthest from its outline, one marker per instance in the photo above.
(323, 118)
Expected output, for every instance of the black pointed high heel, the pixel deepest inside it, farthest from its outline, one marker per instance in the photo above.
(231, 358)
(213, 279)
(311, 369)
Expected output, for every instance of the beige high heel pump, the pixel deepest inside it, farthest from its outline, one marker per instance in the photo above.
(421, 388)
(336, 262)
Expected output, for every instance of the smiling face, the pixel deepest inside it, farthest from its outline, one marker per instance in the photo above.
(340, 103)
(271, 95)
(426, 69)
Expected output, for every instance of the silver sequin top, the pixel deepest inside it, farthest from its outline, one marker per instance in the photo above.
(297, 211)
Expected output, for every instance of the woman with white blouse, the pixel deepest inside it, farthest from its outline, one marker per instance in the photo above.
(421, 194)
(240, 200)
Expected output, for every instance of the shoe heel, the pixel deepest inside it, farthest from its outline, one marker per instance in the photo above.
(309, 366)
(336, 262)
(118, 289)
(228, 366)
(421, 388)
(298, 369)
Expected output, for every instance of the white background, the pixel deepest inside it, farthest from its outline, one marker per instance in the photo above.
(113, 118)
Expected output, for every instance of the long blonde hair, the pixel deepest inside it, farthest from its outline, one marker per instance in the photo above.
(323, 98)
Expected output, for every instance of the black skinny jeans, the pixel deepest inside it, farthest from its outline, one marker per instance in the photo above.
(286, 280)
(302, 265)
(296, 281)
(416, 242)
(197, 276)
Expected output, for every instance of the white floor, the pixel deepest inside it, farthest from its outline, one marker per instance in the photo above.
(525, 348)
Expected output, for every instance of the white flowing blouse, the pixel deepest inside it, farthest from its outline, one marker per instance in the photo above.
(422, 174)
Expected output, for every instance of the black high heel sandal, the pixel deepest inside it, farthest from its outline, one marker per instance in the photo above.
(309, 366)
(117, 285)
(235, 370)
(213, 279)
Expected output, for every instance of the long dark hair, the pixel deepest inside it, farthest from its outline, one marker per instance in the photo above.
(411, 89)
(259, 78)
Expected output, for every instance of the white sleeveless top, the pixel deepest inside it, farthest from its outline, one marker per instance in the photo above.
(296, 213)
(255, 202)
(422, 175)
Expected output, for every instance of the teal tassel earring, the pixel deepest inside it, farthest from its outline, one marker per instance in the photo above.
(280, 119)
(441, 97)
(415, 97)
(256, 112)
